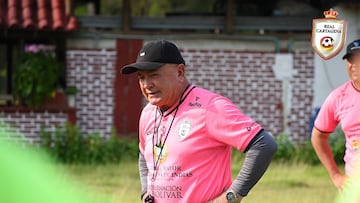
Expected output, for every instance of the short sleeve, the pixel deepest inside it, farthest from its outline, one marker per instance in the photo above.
(326, 119)
(144, 117)
(141, 138)
(227, 124)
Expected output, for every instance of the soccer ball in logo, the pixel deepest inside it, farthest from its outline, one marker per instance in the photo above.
(327, 43)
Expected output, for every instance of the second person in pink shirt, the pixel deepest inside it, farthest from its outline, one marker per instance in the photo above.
(342, 106)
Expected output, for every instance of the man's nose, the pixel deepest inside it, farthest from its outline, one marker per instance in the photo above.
(147, 83)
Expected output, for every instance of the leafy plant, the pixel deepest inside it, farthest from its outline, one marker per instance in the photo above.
(3, 73)
(286, 149)
(35, 78)
(289, 150)
(305, 153)
(337, 143)
(71, 90)
(69, 145)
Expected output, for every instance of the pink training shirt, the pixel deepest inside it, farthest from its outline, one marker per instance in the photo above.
(343, 106)
(195, 162)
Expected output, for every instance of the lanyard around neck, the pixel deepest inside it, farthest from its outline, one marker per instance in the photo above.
(159, 143)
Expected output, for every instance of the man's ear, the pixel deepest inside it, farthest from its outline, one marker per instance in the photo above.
(181, 70)
(348, 63)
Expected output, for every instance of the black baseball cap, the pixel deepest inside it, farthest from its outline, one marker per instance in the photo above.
(154, 55)
(352, 48)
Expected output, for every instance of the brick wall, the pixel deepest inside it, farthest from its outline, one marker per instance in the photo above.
(92, 72)
(302, 94)
(26, 126)
(247, 78)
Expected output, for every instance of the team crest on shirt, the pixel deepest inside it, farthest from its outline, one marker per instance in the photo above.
(184, 129)
(355, 144)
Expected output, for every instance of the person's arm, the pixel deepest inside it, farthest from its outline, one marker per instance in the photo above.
(258, 157)
(143, 172)
(322, 148)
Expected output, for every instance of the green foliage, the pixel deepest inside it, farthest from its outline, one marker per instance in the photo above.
(71, 90)
(36, 78)
(3, 73)
(304, 152)
(69, 145)
(286, 148)
(80, 10)
(114, 7)
(159, 8)
(337, 143)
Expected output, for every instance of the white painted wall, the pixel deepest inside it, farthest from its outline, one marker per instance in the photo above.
(91, 43)
(261, 44)
(331, 73)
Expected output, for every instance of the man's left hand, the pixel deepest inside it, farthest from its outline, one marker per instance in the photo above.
(222, 199)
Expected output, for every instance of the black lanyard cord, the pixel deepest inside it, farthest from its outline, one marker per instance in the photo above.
(161, 144)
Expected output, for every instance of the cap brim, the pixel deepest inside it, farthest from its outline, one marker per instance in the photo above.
(345, 56)
(132, 68)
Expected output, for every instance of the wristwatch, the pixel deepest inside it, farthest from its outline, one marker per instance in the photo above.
(231, 196)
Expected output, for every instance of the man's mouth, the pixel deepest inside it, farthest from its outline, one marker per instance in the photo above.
(152, 93)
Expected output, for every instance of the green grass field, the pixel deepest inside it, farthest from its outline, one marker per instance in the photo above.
(295, 183)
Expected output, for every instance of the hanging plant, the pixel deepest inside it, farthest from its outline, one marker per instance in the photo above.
(36, 78)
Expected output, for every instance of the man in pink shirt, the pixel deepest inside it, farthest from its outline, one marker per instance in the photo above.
(187, 133)
(342, 106)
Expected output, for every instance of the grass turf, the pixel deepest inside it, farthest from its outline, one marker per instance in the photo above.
(283, 182)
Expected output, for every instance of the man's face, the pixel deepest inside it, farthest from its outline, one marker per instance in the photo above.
(162, 87)
(353, 67)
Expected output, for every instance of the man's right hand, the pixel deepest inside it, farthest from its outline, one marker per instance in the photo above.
(338, 180)
(322, 148)
(144, 197)
(147, 198)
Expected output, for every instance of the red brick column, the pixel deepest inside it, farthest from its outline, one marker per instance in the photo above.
(128, 98)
